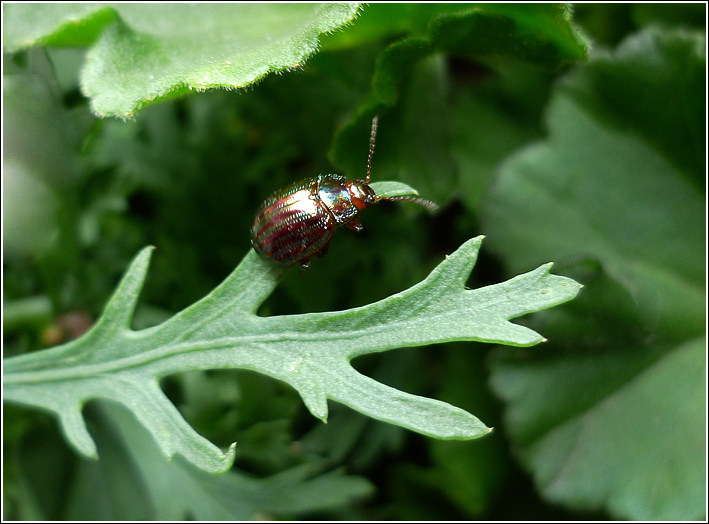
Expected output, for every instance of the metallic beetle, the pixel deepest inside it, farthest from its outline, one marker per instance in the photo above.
(297, 222)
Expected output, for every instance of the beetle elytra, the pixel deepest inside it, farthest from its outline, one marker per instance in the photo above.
(297, 222)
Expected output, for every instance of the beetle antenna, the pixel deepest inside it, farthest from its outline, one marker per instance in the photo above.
(431, 206)
(375, 121)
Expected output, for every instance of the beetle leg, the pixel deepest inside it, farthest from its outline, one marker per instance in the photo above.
(303, 266)
(355, 225)
(323, 251)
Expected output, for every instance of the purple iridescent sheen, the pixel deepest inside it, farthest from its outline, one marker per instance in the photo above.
(298, 221)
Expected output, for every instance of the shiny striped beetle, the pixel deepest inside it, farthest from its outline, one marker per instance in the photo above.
(297, 222)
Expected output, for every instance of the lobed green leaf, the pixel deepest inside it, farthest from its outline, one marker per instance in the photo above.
(311, 352)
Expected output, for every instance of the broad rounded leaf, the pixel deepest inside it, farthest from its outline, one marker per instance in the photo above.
(614, 423)
(146, 52)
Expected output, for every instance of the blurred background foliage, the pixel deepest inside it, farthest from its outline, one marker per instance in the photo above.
(596, 163)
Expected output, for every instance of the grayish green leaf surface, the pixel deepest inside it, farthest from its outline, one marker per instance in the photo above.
(177, 490)
(146, 52)
(392, 188)
(75, 24)
(310, 352)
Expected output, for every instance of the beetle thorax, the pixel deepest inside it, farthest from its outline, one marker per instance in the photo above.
(361, 194)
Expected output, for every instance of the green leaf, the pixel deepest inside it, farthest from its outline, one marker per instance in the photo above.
(622, 431)
(414, 137)
(310, 352)
(40, 165)
(176, 490)
(594, 419)
(45, 134)
(30, 311)
(54, 24)
(470, 474)
(391, 189)
(540, 34)
(661, 70)
(148, 52)
(493, 118)
(623, 203)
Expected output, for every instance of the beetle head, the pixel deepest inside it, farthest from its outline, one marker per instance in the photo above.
(362, 195)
